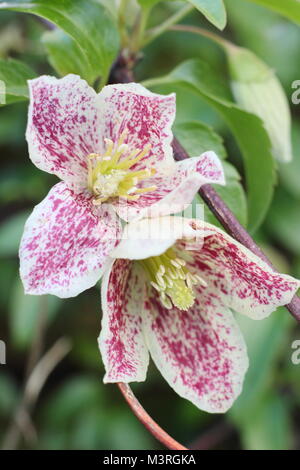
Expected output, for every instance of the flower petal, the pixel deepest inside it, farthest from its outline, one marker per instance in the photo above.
(200, 352)
(65, 245)
(152, 237)
(62, 128)
(244, 282)
(121, 341)
(176, 188)
(148, 118)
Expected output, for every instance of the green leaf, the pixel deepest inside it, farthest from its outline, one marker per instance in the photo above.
(196, 138)
(288, 8)
(10, 234)
(233, 195)
(283, 221)
(213, 10)
(65, 55)
(14, 74)
(247, 128)
(265, 343)
(269, 36)
(289, 172)
(74, 396)
(269, 427)
(8, 394)
(86, 21)
(25, 311)
(148, 3)
(257, 89)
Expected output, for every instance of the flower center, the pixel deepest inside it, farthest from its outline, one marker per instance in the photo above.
(170, 277)
(110, 175)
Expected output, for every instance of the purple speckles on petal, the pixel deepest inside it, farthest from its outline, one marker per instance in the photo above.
(121, 341)
(244, 282)
(200, 352)
(62, 126)
(65, 245)
(146, 116)
(174, 189)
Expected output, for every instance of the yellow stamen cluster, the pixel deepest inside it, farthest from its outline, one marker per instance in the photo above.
(170, 277)
(110, 175)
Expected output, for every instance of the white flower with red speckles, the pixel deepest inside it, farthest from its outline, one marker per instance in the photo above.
(113, 153)
(173, 297)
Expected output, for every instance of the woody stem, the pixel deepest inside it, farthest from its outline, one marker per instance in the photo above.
(218, 207)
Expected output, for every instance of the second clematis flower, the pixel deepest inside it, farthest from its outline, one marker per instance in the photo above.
(113, 153)
(172, 297)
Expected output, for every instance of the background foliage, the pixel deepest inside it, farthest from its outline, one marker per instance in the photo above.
(75, 410)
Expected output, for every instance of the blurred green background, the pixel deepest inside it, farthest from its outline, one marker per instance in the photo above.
(75, 410)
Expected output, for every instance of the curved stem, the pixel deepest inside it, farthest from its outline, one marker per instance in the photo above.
(153, 33)
(231, 224)
(147, 421)
(122, 23)
(234, 228)
(203, 32)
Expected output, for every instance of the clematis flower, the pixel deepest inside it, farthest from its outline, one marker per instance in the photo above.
(172, 298)
(113, 153)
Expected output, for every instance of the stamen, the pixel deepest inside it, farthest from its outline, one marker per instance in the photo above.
(175, 263)
(156, 286)
(110, 174)
(166, 301)
(123, 148)
(180, 261)
(169, 275)
(109, 146)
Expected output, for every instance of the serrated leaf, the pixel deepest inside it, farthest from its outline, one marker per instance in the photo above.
(213, 10)
(288, 8)
(14, 75)
(247, 128)
(86, 21)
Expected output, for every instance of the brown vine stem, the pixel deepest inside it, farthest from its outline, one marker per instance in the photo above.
(122, 73)
(231, 224)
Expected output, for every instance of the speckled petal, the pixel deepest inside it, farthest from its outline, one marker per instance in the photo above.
(65, 246)
(200, 352)
(63, 126)
(175, 188)
(244, 282)
(121, 341)
(148, 118)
